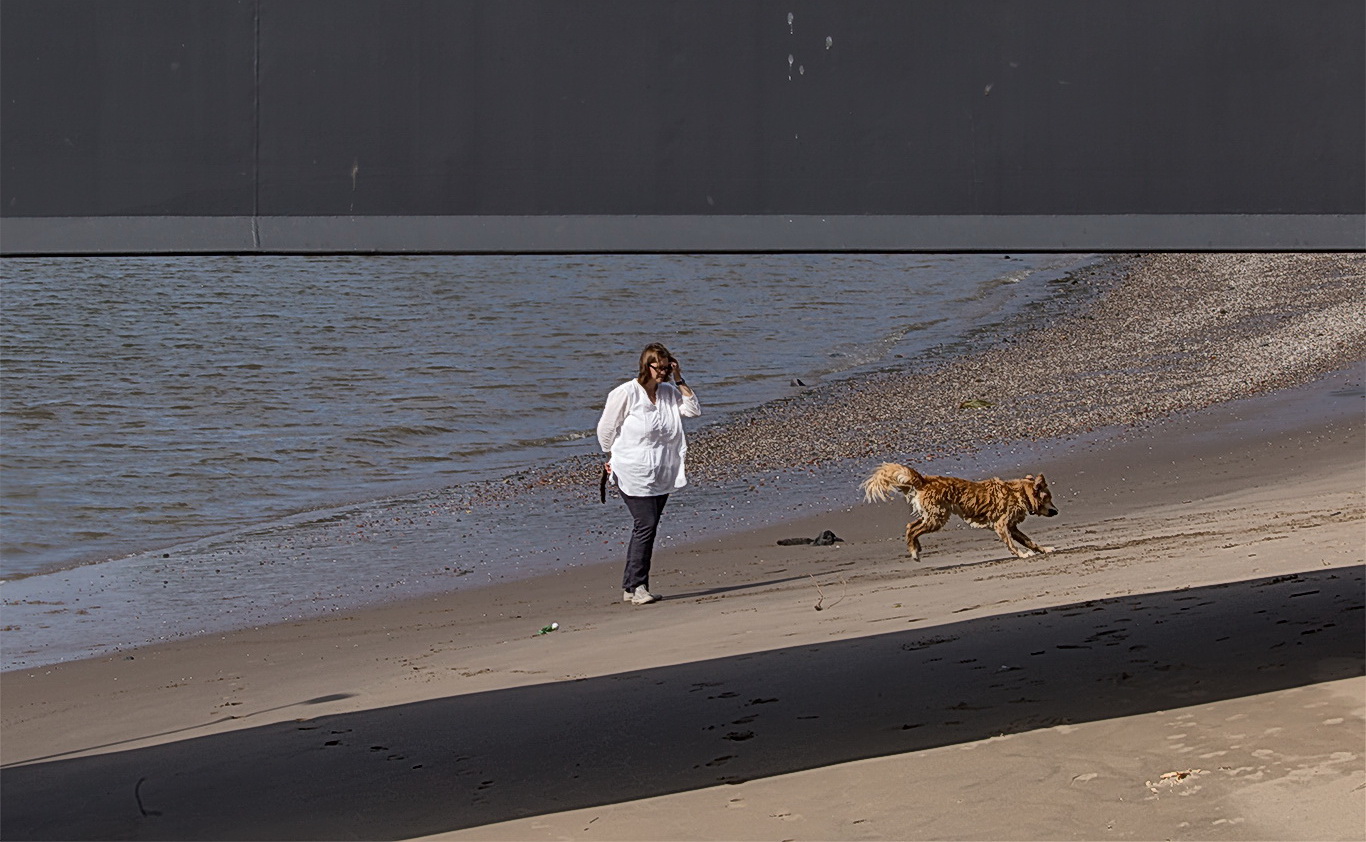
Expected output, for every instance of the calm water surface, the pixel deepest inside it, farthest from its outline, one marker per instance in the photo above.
(153, 402)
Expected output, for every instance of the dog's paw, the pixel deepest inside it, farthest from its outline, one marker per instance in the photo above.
(1049, 549)
(1025, 553)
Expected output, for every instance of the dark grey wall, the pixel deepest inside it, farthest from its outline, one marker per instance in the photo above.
(181, 117)
(114, 108)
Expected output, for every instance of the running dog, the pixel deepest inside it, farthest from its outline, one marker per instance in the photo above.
(996, 503)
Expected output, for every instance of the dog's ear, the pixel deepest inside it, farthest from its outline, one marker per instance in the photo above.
(1039, 481)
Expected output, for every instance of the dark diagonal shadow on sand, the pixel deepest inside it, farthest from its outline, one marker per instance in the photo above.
(471, 760)
(333, 697)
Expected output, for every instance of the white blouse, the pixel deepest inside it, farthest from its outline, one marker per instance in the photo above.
(646, 439)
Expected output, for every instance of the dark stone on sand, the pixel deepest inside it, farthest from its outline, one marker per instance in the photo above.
(825, 539)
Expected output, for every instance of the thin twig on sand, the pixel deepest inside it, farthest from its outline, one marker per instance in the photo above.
(821, 594)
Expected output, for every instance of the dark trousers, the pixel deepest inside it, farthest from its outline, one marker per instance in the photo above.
(645, 511)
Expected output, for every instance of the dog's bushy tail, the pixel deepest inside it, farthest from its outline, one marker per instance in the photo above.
(889, 479)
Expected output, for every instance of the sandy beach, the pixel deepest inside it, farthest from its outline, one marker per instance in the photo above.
(1189, 663)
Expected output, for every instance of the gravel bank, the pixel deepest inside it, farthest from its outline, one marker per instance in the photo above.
(1173, 333)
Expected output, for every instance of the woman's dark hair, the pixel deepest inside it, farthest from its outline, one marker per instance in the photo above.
(656, 354)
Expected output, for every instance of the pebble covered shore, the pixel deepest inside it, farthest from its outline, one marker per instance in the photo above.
(1152, 335)
(1172, 333)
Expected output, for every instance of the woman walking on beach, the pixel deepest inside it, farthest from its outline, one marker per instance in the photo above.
(642, 430)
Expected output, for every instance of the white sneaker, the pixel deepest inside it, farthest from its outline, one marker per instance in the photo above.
(640, 596)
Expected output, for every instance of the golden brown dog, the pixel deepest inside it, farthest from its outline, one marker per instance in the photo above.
(998, 503)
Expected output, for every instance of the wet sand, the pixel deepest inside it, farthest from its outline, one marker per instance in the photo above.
(1187, 665)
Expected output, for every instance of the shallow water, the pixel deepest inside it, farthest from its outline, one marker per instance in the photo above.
(199, 443)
